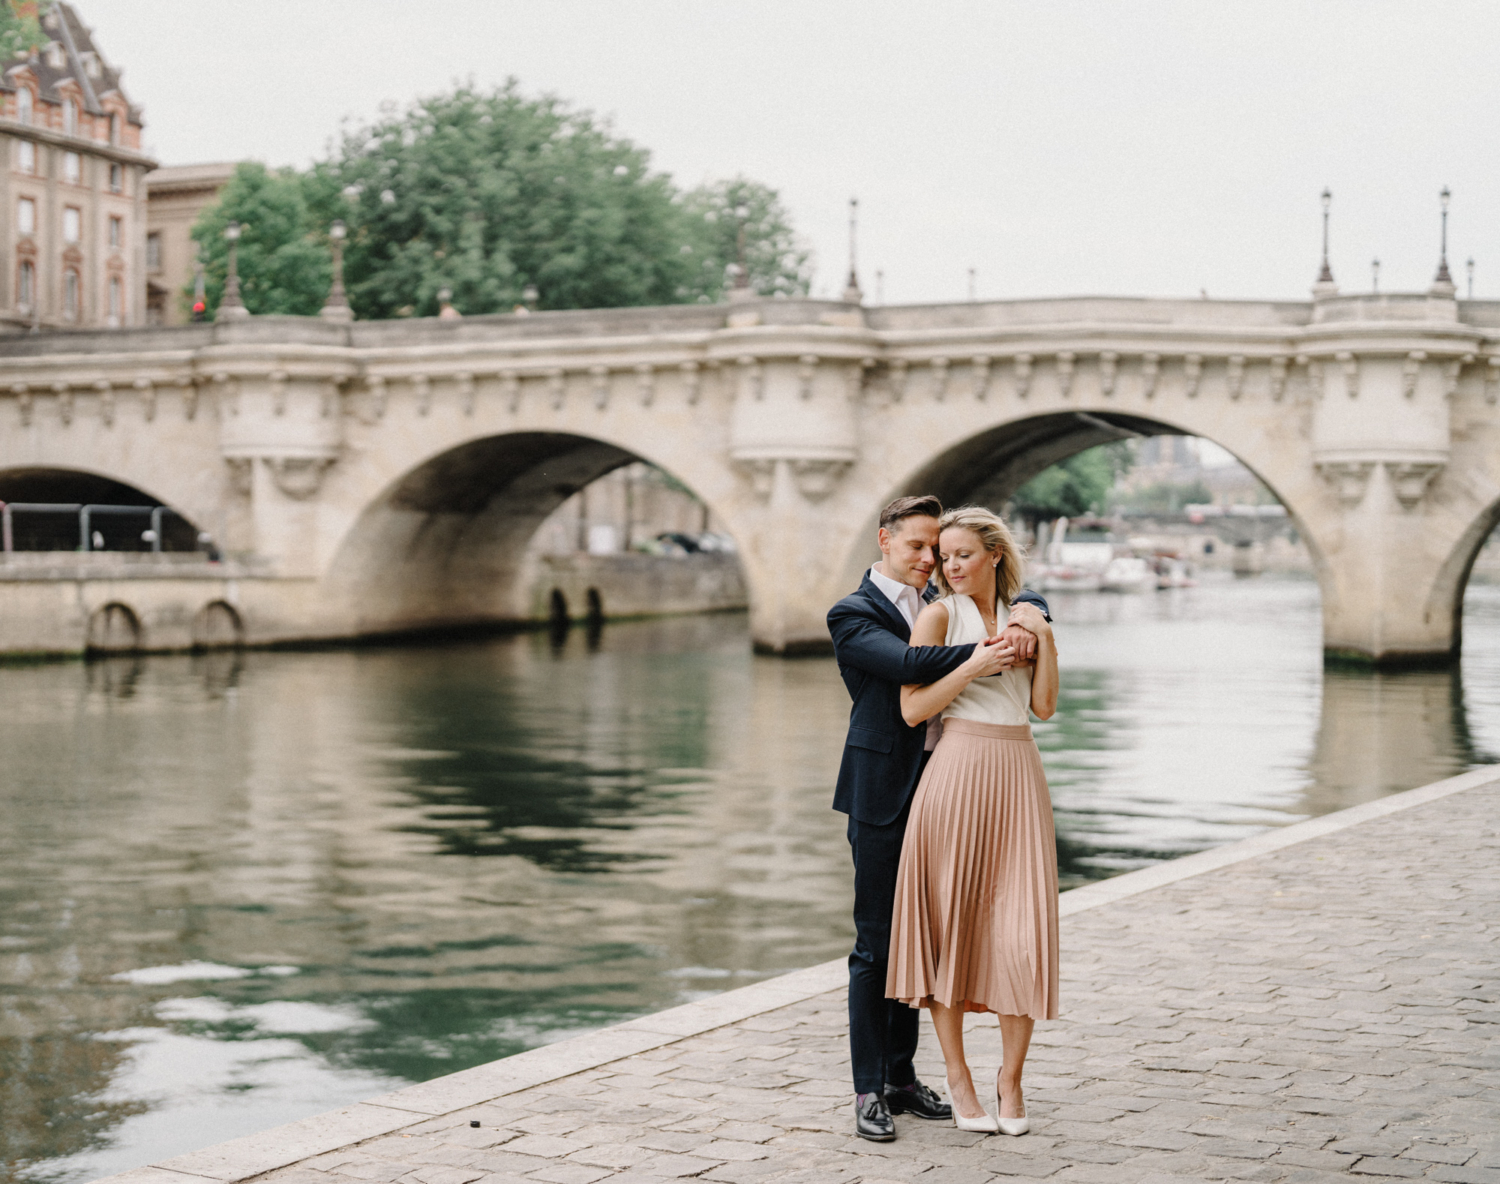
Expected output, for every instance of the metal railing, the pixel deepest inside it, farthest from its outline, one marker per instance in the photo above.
(86, 513)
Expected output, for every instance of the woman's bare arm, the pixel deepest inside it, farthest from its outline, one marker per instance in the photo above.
(1044, 676)
(920, 703)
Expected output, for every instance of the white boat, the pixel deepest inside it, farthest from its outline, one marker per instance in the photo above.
(1126, 574)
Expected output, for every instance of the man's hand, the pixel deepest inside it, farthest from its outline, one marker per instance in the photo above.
(1018, 638)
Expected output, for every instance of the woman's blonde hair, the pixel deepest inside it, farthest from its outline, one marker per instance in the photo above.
(996, 536)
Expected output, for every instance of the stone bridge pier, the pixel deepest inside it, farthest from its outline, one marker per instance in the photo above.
(384, 477)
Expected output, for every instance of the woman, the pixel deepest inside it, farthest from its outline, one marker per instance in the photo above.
(975, 924)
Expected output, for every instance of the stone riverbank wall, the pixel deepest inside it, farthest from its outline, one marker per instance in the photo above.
(1319, 1003)
(59, 603)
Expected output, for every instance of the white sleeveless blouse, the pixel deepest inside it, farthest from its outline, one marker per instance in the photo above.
(1004, 698)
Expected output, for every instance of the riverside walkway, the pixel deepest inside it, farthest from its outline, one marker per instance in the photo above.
(1317, 1003)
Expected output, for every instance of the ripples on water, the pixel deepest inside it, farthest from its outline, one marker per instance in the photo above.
(239, 889)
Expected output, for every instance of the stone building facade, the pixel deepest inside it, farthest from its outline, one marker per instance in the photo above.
(174, 198)
(72, 187)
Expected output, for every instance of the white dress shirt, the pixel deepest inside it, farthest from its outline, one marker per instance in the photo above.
(908, 603)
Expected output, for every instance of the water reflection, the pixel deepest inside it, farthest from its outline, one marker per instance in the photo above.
(236, 889)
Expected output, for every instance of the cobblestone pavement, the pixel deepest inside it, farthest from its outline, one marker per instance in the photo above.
(1327, 1011)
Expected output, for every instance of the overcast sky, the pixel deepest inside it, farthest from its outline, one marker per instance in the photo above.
(1156, 147)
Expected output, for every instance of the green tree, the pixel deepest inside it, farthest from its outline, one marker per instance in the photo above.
(284, 262)
(776, 262)
(488, 193)
(1079, 485)
(20, 27)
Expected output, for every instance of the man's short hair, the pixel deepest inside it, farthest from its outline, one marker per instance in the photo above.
(926, 505)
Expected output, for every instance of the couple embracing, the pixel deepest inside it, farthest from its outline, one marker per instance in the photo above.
(950, 823)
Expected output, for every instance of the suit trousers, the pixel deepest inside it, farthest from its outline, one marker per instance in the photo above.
(882, 1032)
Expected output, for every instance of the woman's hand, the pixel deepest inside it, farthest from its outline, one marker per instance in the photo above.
(1029, 617)
(988, 659)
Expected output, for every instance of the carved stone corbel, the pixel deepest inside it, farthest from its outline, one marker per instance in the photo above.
(645, 383)
(1409, 481)
(225, 394)
(510, 383)
(1349, 478)
(1192, 374)
(464, 380)
(421, 388)
(241, 474)
(1065, 367)
(1452, 372)
(816, 479)
(298, 477)
(1235, 375)
(375, 385)
(599, 384)
(1109, 363)
(751, 385)
(1350, 365)
(939, 378)
(106, 401)
(145, 391)
(898, 379)
(328, 397)
(1314, 374)
(278, 391)
(1150, 374)
(854, 379)
(807, 373)
(1278, 377)
(22, 393)
(1409, 371)
(1022, 375)
(189, 387)
(692, 381)
(760, 472)
(981, 365)
(64, 395)
(1492, 379)
(557, 387)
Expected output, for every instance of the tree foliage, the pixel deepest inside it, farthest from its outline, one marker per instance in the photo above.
(21, 27)
(1079, 485)
(284, 262)
(488, 194)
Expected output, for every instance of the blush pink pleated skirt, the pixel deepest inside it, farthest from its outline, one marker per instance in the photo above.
(975, 922)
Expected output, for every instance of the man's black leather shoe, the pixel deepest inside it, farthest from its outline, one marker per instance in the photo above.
(872, 1118)
(916, 1099)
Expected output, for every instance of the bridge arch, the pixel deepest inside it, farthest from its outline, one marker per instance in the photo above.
(31, 485)
(442, 544)
(988, 464)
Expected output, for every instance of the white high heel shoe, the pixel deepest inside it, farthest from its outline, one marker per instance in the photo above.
(1012, 1126)
(984, 1125)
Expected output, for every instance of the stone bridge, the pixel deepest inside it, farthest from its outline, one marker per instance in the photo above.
(379, 477)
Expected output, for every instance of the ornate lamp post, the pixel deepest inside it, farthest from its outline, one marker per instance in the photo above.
(740, 288)
(1469, 267)
(852, 294)
(1442, 283)
(1325, 285)
(1375, 275)
(231, 307)
(336, 307)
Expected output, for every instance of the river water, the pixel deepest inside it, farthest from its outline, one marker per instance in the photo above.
(236, 890)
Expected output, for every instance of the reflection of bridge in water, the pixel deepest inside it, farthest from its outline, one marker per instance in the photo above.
(382, 477)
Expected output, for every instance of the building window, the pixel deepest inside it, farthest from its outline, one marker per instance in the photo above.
(26, 285)
(115, 232)
(153, 251)
(26, 216)
(116, 179)
(116, 301)
(114, 130)
(72, 224)
(26, 156)
(24, 104)
(72, 168)
(70, 117)
(70, 295)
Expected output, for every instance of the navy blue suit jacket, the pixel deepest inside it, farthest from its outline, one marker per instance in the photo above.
(883, 755)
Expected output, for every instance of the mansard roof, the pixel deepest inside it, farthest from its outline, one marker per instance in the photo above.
(70, 56)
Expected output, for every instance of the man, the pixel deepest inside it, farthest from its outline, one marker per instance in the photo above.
(883, 761)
